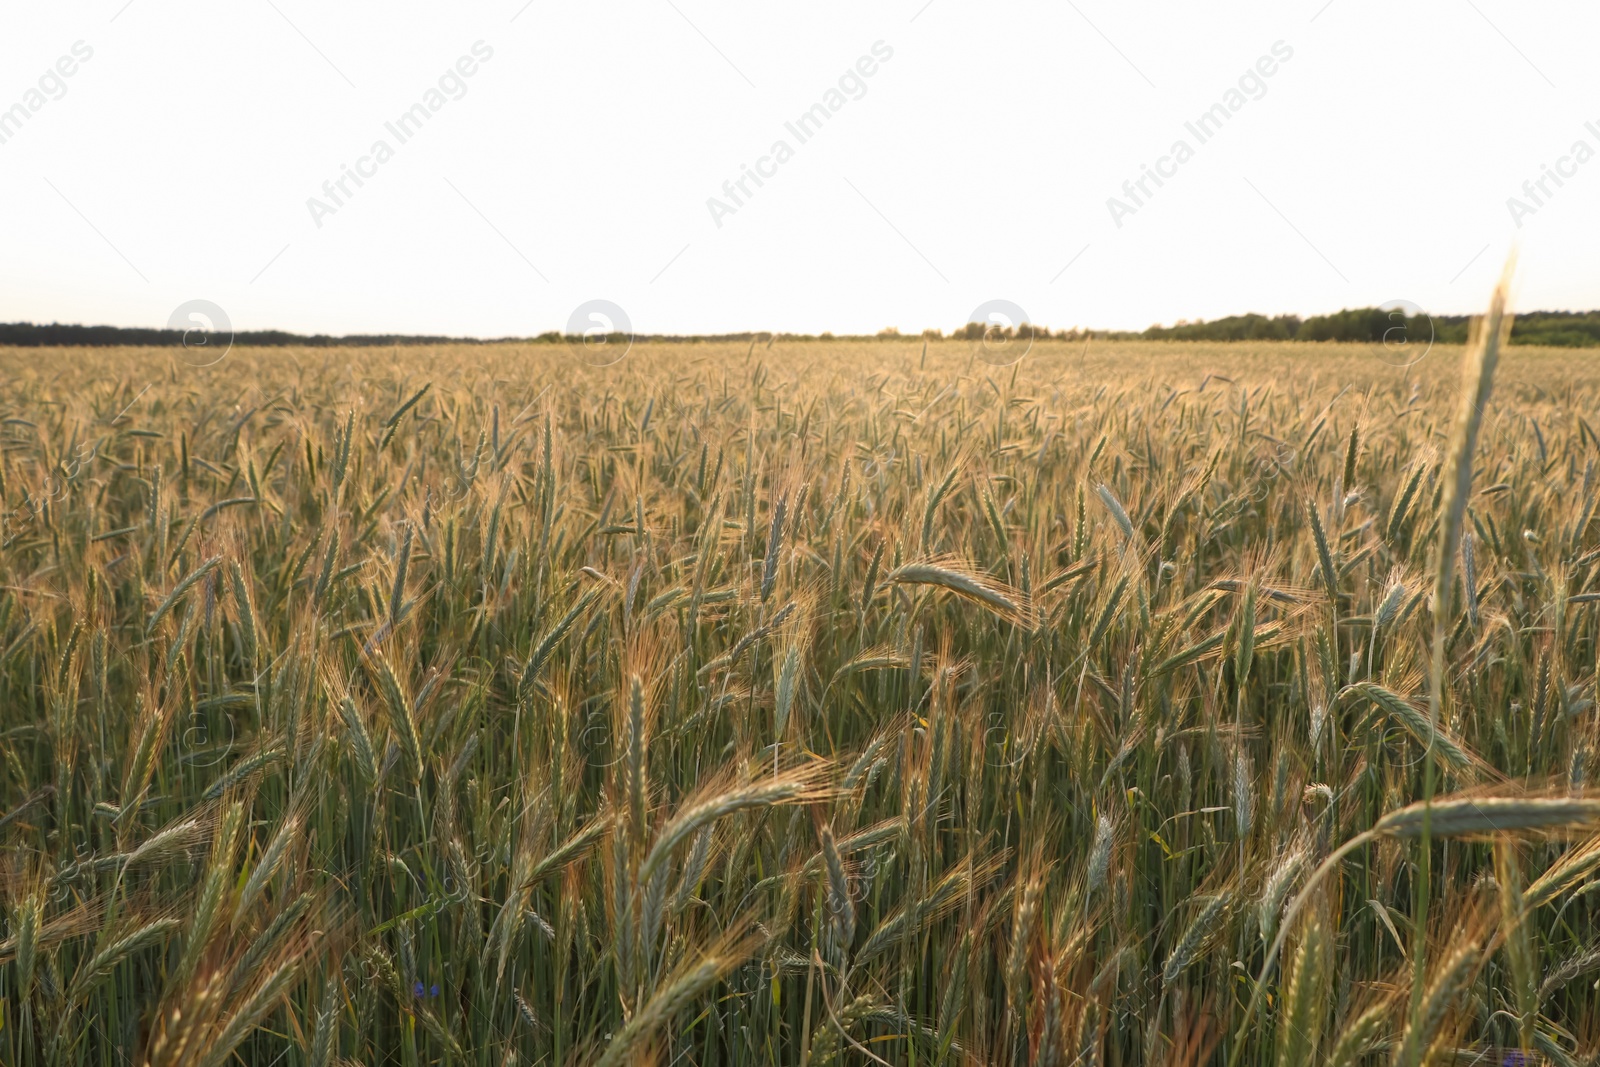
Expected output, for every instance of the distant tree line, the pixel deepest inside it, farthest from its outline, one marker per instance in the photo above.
(1568, 329)
(1572, 329)
(29, 335)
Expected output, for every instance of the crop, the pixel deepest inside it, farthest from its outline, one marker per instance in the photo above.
(798, 703)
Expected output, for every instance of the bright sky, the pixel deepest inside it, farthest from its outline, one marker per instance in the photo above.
(960, 152)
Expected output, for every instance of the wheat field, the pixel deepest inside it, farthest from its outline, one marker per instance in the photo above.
(797, 703)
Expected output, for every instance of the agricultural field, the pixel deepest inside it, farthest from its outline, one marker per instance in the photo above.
(801, 703)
